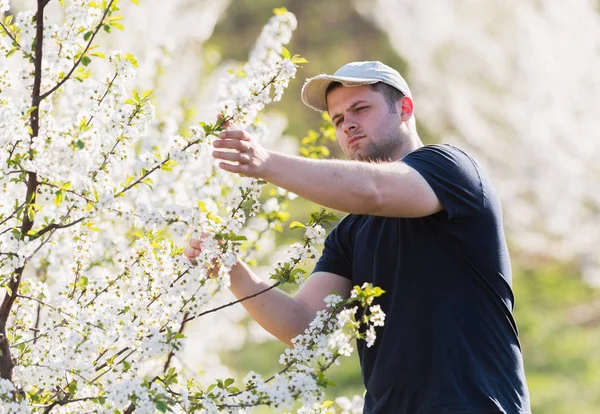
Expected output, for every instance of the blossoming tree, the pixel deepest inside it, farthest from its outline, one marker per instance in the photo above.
(98, 200)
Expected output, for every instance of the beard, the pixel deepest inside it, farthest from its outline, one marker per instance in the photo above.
(381, 151)
(389, 145)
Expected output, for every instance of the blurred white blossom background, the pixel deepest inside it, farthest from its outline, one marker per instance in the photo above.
(517, 83)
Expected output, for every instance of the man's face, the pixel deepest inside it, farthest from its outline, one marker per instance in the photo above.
(366, 127)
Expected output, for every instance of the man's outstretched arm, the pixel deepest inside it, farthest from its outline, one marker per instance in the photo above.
(282, 315)
(385, 189)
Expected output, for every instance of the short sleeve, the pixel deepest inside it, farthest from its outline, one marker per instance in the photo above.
(452, 175)
(338, 249)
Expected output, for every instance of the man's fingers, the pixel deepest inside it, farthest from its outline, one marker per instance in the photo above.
(196, 243)
(238, 169)
(234, 134)
(191, 253)
(235, 144)
(231, 156)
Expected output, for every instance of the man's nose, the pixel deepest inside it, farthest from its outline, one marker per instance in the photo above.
(350, 125)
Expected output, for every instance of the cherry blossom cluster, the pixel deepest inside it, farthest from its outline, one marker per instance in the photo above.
(302, 377)
(266, 74)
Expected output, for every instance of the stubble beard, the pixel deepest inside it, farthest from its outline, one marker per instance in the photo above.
(387, 148)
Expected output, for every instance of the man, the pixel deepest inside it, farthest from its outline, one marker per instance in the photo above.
(425, 225)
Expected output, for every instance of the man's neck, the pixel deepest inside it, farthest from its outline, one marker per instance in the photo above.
(412, 143)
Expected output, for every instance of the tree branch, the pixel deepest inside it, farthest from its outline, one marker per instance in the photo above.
(273, 286)
(6, 362)
(55, 226)
(172, 352)
(9, 34)
(13, 213)
(103, 96)
(68, 75)
(54, 308)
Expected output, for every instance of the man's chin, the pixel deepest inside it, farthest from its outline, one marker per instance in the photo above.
(357, 155)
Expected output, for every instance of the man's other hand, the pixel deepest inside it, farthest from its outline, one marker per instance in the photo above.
(193, 250)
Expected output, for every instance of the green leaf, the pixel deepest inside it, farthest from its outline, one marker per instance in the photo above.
(168, 165)
(297, 59)
(147, 94)
(87, 36)
(214, 218)
(297, 225)
(280, 11)
(161, 406)
(228, 382)
(117, 25)
(129, 57)
(72, 387)
(58, 198)
(8, 290)
(285, 53)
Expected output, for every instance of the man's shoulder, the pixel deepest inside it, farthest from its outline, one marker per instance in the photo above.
(443, 150)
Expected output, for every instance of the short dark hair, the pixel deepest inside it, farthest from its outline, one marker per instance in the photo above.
(391, 94)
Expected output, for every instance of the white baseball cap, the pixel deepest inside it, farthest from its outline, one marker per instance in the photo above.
(351, 74)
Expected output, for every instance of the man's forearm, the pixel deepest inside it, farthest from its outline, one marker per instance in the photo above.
(347, 186)
(280, 314)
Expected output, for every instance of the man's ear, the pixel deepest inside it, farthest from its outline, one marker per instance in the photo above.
(406, 108)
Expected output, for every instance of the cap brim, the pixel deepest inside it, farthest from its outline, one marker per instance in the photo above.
(314, 89)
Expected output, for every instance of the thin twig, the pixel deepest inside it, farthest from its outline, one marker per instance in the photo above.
(68, 75)
(172, 351)
(9, 34)
(232, 303)
(54, 226)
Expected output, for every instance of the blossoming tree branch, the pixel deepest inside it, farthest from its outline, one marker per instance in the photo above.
(96, 293)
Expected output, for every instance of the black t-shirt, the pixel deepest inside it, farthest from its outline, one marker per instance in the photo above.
(450, 343)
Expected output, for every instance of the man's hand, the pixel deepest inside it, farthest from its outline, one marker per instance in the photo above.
(194, 249)
(248, 158)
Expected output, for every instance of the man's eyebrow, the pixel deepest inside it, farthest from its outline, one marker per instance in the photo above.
(354, 105)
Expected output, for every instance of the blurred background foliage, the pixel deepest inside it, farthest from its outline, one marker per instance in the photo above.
(558, 313)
